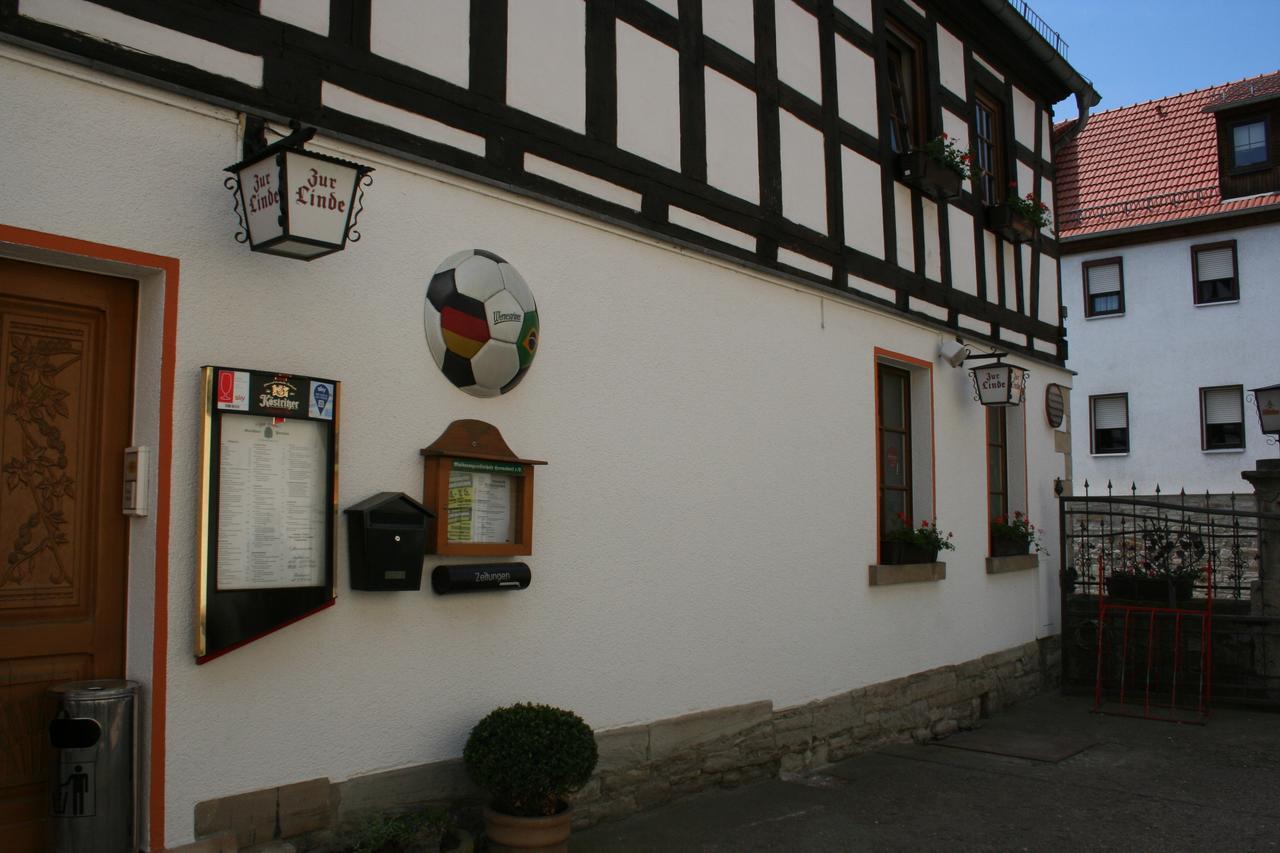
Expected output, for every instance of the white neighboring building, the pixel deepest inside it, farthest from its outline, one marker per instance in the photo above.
(734, 281)
(1169, 221)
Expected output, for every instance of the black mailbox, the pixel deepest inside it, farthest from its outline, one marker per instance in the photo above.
(387, 537)
(479, 577)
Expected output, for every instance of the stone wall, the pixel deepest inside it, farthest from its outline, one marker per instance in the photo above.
(644, 766)
(1116, 530)
(647, 765)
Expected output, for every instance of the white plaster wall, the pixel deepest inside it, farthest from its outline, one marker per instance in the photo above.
(903, 223)
(309, 14)
(1010, 278)
(804, 180)
(145, 37)
(551, 84)
(733, 162)
(856, 87)
(431, 37)
(656, 587)
(798, 49)
(989, 266)
(932, 245)
(964, 264)
(858, 10)
(1162, 350)
(648, 97)
(1026, 179)
(353, 103)
(863, 213)
(732, 23)
(1048, 285)
(1024, 118)
(951, 61)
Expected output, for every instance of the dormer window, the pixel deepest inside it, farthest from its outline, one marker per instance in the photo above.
(1249, 144)
(1248, 151)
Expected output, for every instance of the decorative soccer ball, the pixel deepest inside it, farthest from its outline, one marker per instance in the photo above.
(482, 323)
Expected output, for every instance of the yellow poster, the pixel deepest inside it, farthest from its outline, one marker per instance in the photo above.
(462, 496)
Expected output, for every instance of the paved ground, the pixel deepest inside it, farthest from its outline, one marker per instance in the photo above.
(1141, 785)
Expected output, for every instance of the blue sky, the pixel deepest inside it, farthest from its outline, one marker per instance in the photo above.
(1138, 50)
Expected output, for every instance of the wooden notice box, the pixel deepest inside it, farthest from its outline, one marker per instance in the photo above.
(481, 493)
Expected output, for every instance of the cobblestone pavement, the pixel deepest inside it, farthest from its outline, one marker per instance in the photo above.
(1134, 785)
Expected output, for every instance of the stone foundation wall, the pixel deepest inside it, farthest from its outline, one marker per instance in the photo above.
(644, 766)
(647, 765)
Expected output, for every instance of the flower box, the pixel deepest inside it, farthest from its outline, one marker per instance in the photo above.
(906, 553)
(1010, 547)
(930, 176)
(1139, 588)
(1010, 224)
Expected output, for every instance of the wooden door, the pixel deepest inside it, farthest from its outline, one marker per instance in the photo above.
(66, 403)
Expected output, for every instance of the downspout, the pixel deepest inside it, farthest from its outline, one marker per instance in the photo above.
(1086, 96)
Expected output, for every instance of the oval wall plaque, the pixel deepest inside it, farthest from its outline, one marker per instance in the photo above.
(1054, 404)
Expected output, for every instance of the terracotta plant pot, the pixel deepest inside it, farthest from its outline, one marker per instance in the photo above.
(550, 833)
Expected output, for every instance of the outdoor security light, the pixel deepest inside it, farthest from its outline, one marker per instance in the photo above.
(297, 203)
(1268, 402)
(998, 384)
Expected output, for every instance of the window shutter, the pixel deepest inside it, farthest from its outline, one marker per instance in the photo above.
(1110, 413)
(1223, 406)
(1215, 264)
(1104, 279)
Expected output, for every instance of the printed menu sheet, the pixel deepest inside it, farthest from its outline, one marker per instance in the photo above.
(480, 507)
(272, 490)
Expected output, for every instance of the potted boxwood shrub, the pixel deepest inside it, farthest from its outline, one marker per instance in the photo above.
(912, 544)
(529, 758)
(1017, 535)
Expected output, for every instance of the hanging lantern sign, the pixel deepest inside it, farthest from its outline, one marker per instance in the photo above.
(999, 384)
(297, 203)
(1268, 402)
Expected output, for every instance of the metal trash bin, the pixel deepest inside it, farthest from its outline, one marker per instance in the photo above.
(94, 785)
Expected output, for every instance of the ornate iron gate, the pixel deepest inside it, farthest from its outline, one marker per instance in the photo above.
(1161, 603)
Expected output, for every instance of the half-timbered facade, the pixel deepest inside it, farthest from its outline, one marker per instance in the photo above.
(744, 285)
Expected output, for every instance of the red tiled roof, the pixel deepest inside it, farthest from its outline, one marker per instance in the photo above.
(1150, 163)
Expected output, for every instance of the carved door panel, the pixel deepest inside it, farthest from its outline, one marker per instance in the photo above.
(66, 402)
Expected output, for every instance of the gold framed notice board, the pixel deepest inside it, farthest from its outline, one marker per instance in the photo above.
(268, 494)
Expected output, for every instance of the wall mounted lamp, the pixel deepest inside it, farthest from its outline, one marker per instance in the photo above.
(293, 202)
(1268, 402)
(998, 383)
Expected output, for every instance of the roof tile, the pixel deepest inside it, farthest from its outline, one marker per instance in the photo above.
(1150, 163)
